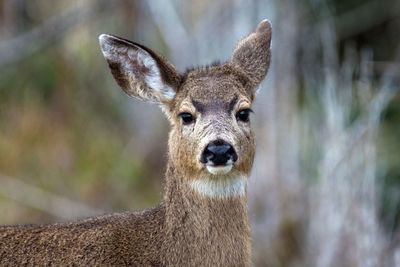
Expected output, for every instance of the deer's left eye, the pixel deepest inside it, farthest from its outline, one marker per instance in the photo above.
(243, 115)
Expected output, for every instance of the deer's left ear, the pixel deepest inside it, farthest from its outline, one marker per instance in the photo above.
(253, 54)
(139, 71)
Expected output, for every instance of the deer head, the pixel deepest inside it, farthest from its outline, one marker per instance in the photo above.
(209, 108)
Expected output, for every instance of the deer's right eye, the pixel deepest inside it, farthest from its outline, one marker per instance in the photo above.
(187, 118)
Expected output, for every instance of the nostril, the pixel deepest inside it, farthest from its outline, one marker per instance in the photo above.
(232, 154)
(208, 155)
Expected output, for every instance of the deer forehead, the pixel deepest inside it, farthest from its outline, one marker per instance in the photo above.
(212, 93)
(222, 106)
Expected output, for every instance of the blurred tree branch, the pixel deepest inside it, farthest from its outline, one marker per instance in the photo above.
(37, 198)
(367, 124)
(50, 31)
(365, 17)
(172, 29)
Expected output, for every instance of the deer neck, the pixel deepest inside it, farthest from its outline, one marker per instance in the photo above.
(213, 222)
(205, 197)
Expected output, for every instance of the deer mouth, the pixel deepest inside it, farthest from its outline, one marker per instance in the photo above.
(219, 169)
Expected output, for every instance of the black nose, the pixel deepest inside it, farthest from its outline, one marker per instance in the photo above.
(218, 152)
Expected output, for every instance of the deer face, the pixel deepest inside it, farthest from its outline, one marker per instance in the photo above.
(209, 107)
(211, 127)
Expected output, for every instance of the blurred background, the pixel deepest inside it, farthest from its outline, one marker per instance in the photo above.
(325, 188)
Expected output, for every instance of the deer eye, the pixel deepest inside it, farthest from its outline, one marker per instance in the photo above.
(243, 115)
(187, 118)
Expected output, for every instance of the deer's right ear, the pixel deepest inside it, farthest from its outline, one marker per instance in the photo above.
(139, 71)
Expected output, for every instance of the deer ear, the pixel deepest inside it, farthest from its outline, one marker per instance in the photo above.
(139, 71)
(253, 54)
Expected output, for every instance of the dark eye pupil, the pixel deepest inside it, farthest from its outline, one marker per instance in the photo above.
(186, 118)
(243, 115)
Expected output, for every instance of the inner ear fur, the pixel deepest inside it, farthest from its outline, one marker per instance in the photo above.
(139, 71)
(252, 55)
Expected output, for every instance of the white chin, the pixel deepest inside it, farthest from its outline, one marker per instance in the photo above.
(219, 170)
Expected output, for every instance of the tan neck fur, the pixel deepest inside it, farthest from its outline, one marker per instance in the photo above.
(201, 225)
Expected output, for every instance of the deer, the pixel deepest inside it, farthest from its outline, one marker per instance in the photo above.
(202, 218)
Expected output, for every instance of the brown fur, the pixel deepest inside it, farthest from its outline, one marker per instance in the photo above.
(188, 228)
